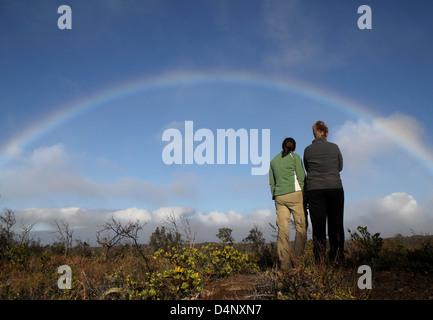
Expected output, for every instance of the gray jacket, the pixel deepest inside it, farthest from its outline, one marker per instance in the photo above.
(323, 162)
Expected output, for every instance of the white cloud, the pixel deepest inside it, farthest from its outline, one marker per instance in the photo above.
(362, 141)
(376, 155)
(240, 223)
(383, 156)
(162, 214)
(54, 156)
(400, 204)
(405, 127)
(216, 218)
(359, 141)
(132, 214)
(392, 214)
(86, 222)
(49, 175)
(44, 218)
(389, 215)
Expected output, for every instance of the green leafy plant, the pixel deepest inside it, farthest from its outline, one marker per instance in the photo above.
(224, 260)
(175, 283)
(225, 236)
(213, 260)
(20, 255)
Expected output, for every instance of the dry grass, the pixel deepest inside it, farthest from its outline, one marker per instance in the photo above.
(400, 271)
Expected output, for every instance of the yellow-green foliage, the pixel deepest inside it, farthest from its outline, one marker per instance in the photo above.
(19, 255)
(179, 272)
(183, 272)
(213, 260)
(224, 260)
(176, 283)
(185, 257)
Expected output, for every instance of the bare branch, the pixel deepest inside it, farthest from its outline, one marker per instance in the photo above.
(190, 233)
(64, 234)
(113, 233)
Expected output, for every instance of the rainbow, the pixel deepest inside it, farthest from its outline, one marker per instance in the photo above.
(170, 80)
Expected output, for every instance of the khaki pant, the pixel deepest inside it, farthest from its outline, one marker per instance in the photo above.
(287, 204)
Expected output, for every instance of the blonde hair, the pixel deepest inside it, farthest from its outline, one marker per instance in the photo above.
(320, 129)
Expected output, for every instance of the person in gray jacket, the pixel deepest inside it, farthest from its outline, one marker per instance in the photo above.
(325, 195)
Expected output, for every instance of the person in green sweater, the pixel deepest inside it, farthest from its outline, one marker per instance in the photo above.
(286, 179)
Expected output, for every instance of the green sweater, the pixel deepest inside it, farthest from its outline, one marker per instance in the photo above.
(286, 175)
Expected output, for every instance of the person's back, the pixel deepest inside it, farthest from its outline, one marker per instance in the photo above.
(286, 181)
(323, 162)
(288, 174)
(325, 195)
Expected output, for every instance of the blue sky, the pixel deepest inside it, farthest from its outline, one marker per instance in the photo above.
(278, 65)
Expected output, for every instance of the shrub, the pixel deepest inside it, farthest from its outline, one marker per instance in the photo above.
(223, 260)
(178, 273)
(421, 259)
(164, 240)
(175, 283)
(213, 260)
(255, 238)
(185, 257)
(225, 236)
(20, 255)
(308, 281)
(366, 248)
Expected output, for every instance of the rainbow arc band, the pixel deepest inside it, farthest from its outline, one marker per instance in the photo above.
(170, 80)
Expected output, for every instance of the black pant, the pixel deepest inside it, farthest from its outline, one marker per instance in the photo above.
(327, 204)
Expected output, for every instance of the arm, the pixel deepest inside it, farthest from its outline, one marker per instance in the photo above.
(340, 160)
(305, 163)
(300, 173)
(272, 181)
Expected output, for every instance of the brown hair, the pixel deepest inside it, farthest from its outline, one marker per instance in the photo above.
(320, 129)
(289, 145)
